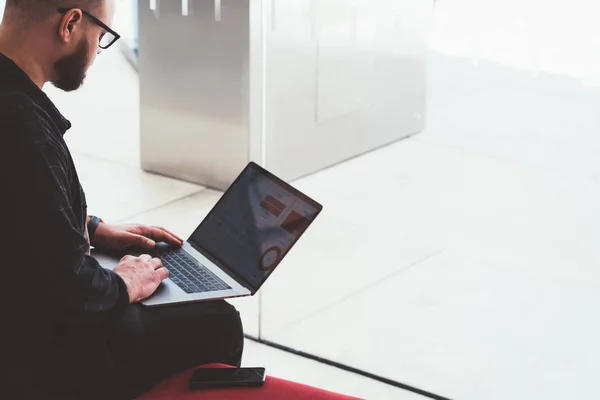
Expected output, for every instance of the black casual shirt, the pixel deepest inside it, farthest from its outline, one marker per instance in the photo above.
(49, 284)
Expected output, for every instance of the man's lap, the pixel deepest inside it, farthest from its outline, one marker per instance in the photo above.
(143, 346)
(150, 344)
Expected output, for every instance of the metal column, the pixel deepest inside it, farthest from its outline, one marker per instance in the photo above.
(293, 85)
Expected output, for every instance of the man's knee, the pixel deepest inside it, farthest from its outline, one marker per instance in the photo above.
(221, 307)
(231, 334)
(234, 320)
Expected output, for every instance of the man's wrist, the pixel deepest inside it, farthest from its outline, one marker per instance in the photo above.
(133, 292)
(128, 288)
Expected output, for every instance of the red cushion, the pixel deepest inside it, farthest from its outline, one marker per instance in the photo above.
(176, 388)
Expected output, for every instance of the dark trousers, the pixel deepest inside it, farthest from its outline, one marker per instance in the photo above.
(151, 344)
(141, 347)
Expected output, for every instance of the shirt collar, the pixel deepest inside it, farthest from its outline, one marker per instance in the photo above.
(17, 79)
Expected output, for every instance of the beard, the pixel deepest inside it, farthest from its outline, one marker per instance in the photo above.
(70, 70)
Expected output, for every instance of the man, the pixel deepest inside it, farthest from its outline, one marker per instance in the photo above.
(71, 329)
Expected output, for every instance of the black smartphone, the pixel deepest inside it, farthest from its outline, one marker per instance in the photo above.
(204, 378)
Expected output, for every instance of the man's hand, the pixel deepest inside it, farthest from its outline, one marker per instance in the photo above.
(120, 237)
(142, 275)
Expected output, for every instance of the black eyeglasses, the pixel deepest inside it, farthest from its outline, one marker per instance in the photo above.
(108, 38)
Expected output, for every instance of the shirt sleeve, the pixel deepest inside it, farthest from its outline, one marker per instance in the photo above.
(91, 290)
(78, 287)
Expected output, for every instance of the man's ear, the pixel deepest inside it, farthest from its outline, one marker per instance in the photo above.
(70, 22)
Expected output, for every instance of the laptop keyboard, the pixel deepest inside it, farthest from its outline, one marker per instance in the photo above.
(189, 274)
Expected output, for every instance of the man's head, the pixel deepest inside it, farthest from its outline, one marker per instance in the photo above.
(66, 34)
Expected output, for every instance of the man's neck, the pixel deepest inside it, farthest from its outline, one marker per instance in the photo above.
(24, 53)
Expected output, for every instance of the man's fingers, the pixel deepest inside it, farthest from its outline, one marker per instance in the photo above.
(163, 273)
(161, 235)
(141, 241)
(167, 236)
(171, 233)
(146, 257)
(156, 263)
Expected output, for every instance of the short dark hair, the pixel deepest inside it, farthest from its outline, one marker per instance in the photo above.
(40, 9)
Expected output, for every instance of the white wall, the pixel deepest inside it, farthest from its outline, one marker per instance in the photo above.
(558, 36)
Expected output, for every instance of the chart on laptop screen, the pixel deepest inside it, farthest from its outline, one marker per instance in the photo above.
(254, 225)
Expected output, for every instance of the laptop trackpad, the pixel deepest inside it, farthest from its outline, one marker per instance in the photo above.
(166, 289)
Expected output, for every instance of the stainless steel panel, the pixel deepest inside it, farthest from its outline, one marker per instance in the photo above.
(194, 89)
(343, 77)
(293, 85)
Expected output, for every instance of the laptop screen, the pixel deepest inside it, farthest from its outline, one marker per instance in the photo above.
(254, 225)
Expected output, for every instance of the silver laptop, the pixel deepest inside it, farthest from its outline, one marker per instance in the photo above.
(237, 246)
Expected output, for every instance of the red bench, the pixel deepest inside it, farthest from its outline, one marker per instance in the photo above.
(176, 388)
